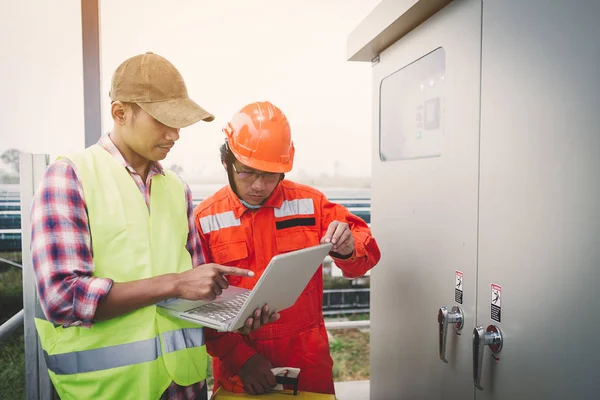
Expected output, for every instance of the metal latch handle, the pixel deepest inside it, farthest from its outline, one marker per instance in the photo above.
(491, 337)
(456, 317)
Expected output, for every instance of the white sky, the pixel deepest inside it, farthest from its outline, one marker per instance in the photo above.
(230, 52)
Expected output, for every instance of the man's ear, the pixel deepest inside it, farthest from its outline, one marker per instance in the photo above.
(117, 111)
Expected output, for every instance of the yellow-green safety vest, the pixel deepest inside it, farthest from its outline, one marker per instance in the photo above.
(137, 355)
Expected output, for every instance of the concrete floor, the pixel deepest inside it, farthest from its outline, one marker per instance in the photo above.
(353, 390)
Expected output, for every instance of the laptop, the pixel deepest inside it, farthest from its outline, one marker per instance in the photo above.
(280, 285)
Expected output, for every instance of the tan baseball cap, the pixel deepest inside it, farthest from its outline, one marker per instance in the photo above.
(154, 84)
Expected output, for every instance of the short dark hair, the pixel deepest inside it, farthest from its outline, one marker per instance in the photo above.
(135, 108)
(227, 156)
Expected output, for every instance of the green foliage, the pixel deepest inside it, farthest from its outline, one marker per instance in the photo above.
(12, 350)
(350, 352)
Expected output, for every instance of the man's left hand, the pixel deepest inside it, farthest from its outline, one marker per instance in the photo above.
(258, 319)
(340, 235)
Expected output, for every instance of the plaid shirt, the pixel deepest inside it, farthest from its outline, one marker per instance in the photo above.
(63, 256)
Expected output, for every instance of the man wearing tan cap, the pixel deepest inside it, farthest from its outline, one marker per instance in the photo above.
(113, 234)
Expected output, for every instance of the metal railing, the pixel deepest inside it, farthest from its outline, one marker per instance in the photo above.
(332, 325)
(14, 264)
(16, 321)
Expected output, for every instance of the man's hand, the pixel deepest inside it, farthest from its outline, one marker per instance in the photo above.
(340, 235)
(256, 375)
(206, 282)
(259, 319)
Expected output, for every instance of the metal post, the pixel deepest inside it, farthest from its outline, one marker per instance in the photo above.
(90, 30)
(38, 385)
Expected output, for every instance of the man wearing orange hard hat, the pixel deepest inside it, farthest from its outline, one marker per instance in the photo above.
(262, 214)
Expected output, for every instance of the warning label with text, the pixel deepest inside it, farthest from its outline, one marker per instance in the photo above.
(496, 303)
(458, 287)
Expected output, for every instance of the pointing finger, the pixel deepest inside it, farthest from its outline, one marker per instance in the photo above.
(234, 271)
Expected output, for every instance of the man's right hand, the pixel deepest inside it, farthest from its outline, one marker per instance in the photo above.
(256, 375)
(206, 282)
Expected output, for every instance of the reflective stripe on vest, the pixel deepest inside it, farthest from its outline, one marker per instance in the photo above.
(295, 207)
(218, 221)
(122, 355)
(183, 339)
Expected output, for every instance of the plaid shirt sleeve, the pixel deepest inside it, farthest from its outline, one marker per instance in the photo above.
(194, 246)
(61, 249)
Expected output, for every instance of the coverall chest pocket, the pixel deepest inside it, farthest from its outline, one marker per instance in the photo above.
(233, 254)
(296, 238)
(229, 253)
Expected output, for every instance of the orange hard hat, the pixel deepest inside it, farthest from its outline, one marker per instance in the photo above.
(259, 136)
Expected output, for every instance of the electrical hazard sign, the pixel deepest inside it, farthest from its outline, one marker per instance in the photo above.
(458, 287)
(496, 302)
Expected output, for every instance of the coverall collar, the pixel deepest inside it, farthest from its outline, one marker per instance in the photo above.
(274, 201)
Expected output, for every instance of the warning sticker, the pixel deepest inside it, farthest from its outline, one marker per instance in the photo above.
(458, 287)
(496, 302)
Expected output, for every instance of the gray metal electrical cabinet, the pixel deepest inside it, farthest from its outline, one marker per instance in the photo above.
(485, 198)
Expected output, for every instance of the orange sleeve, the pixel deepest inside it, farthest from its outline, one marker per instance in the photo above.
(366, 251)
(230, 348)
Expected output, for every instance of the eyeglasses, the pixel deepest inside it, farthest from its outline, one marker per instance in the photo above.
(251, 176)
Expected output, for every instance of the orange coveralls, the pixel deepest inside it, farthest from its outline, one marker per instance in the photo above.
(295, 216)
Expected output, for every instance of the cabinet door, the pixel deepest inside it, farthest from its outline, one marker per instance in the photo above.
(540, 198)
(424, 205)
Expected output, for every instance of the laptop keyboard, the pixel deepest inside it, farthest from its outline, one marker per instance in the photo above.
(222, 311)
